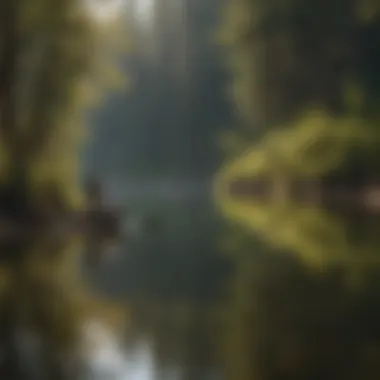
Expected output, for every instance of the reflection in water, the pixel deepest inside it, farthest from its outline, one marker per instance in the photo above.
(304, 297)
(273, 317)
(291, 289)
(287, 322)
(139, 363)
(182, 337)
(45, 312)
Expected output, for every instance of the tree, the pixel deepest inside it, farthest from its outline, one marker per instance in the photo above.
(286, 56)
(55, 58)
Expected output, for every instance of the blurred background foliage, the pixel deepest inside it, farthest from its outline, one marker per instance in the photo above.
(306, 87)
(57, 62)
(305, 81)
(288, 56)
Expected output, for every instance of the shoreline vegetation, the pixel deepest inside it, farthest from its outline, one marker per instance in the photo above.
(330, 131)
(303, 160)
(56, 62)
(300, 187)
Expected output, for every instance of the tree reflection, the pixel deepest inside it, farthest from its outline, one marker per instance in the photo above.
(47, 297)
(286, 321)
(182, 336)
(55, 60)
(317, 236)
(311, 189)
(300, 190)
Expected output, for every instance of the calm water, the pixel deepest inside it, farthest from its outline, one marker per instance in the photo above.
(277, 100)
(210, 300)
(201, 298)
(174, 282)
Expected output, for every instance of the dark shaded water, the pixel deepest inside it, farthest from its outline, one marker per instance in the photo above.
(174, 283)
(202, 298)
